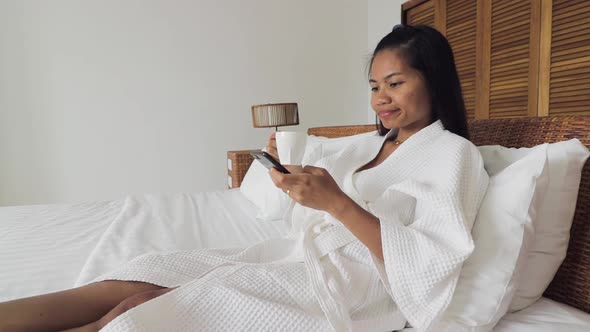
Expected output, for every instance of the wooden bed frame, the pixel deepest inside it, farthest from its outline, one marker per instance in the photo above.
(571, 284)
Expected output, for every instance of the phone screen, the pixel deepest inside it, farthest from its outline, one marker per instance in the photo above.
(268, 161)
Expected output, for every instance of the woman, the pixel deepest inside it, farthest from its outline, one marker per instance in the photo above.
(376, 241)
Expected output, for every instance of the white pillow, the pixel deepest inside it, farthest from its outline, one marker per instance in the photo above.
(328, 146)
(502, 233)
(490, 284)
(552, 226)
(258, 187)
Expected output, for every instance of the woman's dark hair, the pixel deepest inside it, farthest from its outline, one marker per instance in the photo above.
(428, 51)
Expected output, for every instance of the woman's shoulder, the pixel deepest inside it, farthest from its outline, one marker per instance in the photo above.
(458, 150)
(458, 141)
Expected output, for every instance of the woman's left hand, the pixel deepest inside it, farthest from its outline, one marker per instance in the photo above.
(311, 186)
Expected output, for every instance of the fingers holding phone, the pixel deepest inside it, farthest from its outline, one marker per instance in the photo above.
(313, 187)
(294, 169)
(285, 181)
(268, 161)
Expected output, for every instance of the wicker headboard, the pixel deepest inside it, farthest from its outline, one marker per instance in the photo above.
(571, 284)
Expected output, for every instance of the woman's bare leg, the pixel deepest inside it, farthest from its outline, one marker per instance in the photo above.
(127, 304)
(69, 308)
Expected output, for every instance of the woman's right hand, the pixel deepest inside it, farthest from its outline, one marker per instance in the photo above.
(271, 146)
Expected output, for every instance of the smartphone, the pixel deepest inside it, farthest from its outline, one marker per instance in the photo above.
(268, 161)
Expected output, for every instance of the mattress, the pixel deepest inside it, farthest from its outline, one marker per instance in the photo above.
(545, 315)
(47, 248)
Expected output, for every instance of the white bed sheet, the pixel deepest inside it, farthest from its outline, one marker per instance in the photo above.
(54, 247)
(43, 247)
(220, 219)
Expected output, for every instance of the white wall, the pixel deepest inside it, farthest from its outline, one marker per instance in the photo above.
(382, 16)
(103, 98)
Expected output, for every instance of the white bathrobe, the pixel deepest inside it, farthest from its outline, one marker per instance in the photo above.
(321, 278)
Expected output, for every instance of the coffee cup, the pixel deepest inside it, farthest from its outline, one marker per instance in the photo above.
(291, 146)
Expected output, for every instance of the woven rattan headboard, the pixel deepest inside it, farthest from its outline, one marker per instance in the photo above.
(571, 284)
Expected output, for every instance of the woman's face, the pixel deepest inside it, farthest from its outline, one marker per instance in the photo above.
(398, 94)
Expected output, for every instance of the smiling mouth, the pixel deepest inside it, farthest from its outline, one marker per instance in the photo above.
(387, 114)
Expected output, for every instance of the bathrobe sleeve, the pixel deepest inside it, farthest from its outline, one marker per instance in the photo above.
(426, 225)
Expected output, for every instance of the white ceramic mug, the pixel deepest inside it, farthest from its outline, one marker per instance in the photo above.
(291, 146)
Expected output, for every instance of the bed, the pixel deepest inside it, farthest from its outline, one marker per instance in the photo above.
(46, 248)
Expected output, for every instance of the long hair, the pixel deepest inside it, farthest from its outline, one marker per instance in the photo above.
(428, 51)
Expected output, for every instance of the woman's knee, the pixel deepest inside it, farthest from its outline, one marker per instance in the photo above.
(130, 303)
(137, 299)
(126, 287)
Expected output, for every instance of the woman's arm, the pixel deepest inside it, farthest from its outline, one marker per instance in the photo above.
(314, 187)
(363, 224)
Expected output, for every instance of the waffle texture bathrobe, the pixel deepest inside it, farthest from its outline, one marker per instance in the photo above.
(321, 278)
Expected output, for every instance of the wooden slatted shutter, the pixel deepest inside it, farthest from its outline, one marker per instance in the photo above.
(461, 27)
(422, 14)
(569, 83)
(514, 58)
(532, 57)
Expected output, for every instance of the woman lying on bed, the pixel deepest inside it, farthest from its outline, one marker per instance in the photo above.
(380, 229)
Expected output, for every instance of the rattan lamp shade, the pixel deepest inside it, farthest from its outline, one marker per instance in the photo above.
(275, 115)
